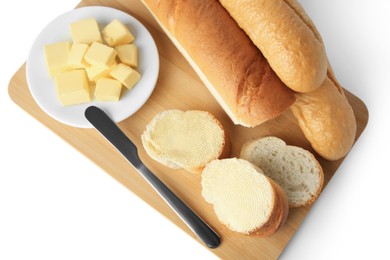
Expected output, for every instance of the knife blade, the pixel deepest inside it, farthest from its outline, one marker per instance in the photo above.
(104, 124)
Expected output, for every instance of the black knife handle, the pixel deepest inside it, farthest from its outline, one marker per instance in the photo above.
(104, 124)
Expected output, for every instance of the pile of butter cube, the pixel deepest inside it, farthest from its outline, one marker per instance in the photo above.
(88, 64)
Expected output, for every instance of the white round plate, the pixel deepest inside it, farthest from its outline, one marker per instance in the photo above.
(42, 87)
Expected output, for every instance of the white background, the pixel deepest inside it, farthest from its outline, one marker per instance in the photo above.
(56, 204)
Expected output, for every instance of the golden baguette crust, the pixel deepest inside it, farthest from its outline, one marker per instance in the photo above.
(232, 68)
(279, 215)
(284, 205)
(328, 149)
(315, 196)
(326, 119)
(298, 8)
(284, 34)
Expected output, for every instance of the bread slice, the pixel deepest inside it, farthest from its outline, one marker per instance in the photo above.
(244, 199)
(296, 170)
(186, 140)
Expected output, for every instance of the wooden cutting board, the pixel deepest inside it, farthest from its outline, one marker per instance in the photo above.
(179, 87)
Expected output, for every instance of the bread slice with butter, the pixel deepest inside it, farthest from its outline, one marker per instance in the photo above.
(185, 139)
(296, 170)
(244, 199)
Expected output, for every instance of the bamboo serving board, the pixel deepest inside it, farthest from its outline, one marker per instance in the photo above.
(179, 87)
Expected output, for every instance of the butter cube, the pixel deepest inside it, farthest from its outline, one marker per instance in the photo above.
(108, 89)
(85, 31)
(126, 75)
(72, 87)
(100, 55)
(116, 33)
(128, 54)
(96, 72)
(56, 55)
(76, 55)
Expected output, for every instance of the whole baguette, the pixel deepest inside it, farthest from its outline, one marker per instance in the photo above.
(230, 65)
(286, 37)
(326, 119)
(337, 121)
(331, 134)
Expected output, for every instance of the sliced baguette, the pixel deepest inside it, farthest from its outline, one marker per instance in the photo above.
(244, 199)
(186, 140)
(296, 170)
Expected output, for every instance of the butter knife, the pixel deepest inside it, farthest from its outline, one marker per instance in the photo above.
(104, 124)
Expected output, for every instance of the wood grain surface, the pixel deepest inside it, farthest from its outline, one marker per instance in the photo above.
(179, 87)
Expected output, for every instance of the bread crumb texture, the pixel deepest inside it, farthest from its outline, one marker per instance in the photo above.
(293, 168)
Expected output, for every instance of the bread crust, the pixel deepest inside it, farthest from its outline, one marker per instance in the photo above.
(315, 196)
(324, 146)
(283, 200)
(233, 69)
(268, 227)
(300, 11)
(286, 37)
(278, 216)
(326, 119)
